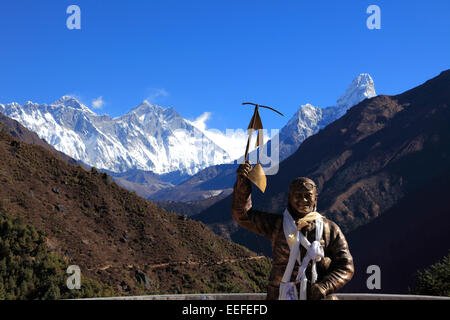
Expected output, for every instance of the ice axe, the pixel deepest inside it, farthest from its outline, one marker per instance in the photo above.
(256, 175)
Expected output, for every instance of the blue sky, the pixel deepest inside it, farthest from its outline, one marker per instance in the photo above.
(209, 56)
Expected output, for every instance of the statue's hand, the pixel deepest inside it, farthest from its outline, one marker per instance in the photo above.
(243, 183)
(317, 292)
(243, 170)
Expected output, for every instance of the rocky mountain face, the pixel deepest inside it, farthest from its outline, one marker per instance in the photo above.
(115, 237)
(149, 137)
(371, 160)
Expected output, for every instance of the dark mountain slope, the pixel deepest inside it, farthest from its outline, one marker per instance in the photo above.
(410, 236)
(189, 208)
(17, 130)
(116, 237)
(213, 181)
(145, 183)
(381, 150)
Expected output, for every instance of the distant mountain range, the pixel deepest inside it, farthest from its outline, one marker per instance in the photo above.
(157, 143)
(148, 138)
(382, 161)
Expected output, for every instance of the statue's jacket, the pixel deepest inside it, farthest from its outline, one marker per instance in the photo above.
(334, 271)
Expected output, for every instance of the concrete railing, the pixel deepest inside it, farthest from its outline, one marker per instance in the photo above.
(262, 296)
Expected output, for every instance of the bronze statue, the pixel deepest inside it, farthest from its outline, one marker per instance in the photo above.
(311, 259)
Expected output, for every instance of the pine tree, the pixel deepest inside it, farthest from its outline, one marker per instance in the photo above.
(435, 280)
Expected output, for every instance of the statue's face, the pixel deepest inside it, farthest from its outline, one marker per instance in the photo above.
(302, 200)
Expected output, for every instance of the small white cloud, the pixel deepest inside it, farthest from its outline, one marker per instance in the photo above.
(73, 95)
(155, 94)
(200, 122)
(98, 103)
(233, 140)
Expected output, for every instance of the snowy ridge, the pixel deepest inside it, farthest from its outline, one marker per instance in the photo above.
(149, 137)
(362, 87)
(157, 139)
(309, 119)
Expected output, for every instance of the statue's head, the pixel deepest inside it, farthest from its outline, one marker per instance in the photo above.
(302, 196)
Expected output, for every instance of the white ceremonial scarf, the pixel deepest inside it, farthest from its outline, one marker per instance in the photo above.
(314, 253)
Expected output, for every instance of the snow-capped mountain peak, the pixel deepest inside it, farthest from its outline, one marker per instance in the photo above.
(144, 107)
(309, 119)
(362, 87)
(71, 102)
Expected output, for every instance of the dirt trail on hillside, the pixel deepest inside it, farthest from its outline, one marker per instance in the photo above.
(162, 265)
(190, 263)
